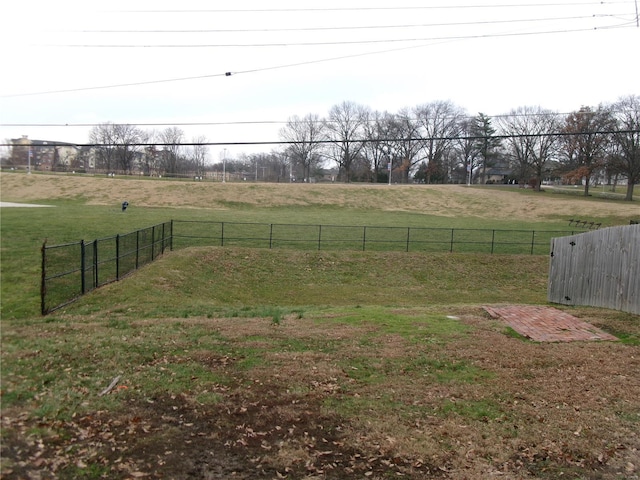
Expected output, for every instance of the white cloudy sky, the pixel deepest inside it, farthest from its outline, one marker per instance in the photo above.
(293, 57)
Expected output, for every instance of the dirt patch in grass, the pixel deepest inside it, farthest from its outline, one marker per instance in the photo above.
(328, 397)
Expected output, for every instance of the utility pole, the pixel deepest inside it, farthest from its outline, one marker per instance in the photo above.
(224, 166)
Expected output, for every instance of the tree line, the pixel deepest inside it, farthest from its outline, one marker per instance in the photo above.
(437, 142)
(126, 148)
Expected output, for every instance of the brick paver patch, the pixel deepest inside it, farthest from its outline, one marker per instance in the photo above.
(547, 324)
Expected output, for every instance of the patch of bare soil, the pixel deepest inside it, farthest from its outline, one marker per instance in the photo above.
(362, 404)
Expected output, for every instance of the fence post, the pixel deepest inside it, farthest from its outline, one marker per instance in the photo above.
(95, 264)
(153, 242)
(451, 245)
(171, 237)
(162, 243)
(43, 282)
(493, 239)
(408, 235)
(364, 238)
(118, 256)
(83, 283)
(270, 235)
(533, 240)
(319, 236)
(137, 249)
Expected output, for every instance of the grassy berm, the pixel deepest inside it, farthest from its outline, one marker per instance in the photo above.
(244, 363)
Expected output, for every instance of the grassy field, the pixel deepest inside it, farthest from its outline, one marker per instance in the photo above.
(248, 363)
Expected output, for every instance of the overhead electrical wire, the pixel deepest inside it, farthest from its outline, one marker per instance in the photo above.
(361, 27)
(618, 16)
(357, 9)
(328, 141)
(267, 122)
(351, 42)
(315, 61)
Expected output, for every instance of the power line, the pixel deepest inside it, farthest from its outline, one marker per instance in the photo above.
(361, 27)
(312, 62)
(351, 42)
(255, 122)
(278, 122)
(119, 85)
(326, 141)
(359, 9)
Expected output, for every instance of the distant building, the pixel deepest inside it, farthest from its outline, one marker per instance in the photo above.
(499, 174)
(47, 155)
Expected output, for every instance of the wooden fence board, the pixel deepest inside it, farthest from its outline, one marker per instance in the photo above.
(599, 268)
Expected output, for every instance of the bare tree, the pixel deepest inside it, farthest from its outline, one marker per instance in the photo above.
(199, 153)
(376, 133)
(531, 141)
(127, 139)
(345, 127)
(467, 151)
(103, 138)
(304, 137)
(404, 144)
(626, 141)
(172, 139)
(150, 160)
(281, 165)
(584, 145)
(440, 124)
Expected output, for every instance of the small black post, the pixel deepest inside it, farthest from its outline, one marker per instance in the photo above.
(137, 248)
(153, 243)
(118, 257)
(533, 240)
(270, 235)
(162, 250)
(43, 282)
(96, 277)
(83, 283)
(364, 238)
(319, 236)
(171, 237)
(408, 235)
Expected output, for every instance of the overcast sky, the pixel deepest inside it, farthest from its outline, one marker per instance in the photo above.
(166, 62)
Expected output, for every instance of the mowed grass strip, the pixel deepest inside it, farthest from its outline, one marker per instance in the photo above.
(220, 281)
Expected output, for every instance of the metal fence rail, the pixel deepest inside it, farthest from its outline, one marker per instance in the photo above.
(365, 238)
(73, 269)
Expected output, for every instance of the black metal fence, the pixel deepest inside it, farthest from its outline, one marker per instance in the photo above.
(71, 270)
(365, 238)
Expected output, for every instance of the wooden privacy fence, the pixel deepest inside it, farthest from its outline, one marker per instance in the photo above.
(599, 268)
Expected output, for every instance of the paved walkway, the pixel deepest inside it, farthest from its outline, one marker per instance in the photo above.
(12, 204)
(547, 324)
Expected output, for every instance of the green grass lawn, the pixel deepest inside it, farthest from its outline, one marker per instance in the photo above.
(71, 219)
(289, 363)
